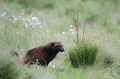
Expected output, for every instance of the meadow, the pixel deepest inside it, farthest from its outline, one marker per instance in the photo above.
(25, 24)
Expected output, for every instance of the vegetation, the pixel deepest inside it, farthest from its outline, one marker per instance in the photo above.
(25, 24)
(8, 69)
(83, 54)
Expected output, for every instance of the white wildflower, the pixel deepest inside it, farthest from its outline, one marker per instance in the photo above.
(53, 66)
(71, 25)
(38, 23)
(34, 18)
(71, 30)
(3, 14)
(23, 19)
(15, 19)
(63, 32)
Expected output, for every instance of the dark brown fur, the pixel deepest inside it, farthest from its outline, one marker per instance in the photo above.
(44, 54)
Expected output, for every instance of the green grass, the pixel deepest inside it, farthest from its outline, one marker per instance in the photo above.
(8, 69)
(84, 74)
(25, 24)
(83, 54)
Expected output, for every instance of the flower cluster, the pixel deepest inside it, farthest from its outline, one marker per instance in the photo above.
(27, 18)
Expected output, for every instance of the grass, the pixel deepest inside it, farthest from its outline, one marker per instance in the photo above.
(8, 69)
(27, 24)
(83, 54)
(83, 74)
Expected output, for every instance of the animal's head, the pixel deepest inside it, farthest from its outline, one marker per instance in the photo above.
(57, 46)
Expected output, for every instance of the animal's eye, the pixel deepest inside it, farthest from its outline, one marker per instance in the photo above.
(58, 45)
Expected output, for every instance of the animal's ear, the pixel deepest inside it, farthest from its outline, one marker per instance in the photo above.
(52, 43)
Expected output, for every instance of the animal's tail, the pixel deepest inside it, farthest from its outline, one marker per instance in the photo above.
(23, 60)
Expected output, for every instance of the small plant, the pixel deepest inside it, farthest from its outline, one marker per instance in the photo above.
(83, 54)
(76, 24)
(8, 69)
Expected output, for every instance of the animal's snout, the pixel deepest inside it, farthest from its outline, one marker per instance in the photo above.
(62, 50)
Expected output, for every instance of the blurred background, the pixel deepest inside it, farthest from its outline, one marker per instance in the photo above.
(25, 24)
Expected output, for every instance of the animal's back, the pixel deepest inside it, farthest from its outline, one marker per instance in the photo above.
(33, 54)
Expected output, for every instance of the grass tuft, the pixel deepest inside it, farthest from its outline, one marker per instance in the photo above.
(83, 54)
